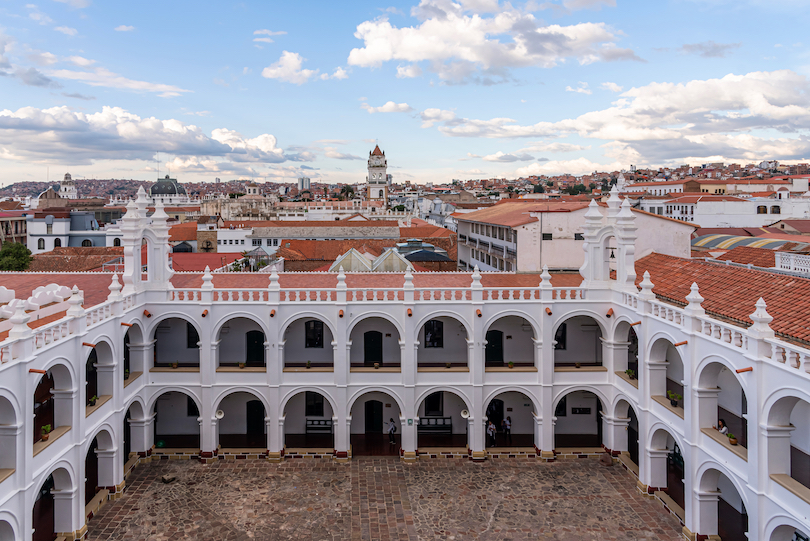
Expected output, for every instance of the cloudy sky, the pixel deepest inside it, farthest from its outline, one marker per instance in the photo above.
(465, 89)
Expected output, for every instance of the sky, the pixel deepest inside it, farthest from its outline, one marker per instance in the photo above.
(271, 90)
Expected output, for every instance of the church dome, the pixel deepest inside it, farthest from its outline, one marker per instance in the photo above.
(167, 186)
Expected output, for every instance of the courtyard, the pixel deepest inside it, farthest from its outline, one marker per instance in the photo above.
(382, 498)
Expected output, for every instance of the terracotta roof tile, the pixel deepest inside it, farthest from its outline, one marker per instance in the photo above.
(759, 257)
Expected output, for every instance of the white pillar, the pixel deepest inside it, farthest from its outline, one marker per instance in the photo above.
(110, 468)
(67, 511)
(704, 519)
(614, 430)
(656, 474)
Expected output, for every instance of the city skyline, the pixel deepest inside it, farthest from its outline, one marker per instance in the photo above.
(449, 90)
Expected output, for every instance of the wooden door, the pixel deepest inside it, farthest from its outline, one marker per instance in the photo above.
(374, 417)
(494, 350)
(372, 348)
(255, 348)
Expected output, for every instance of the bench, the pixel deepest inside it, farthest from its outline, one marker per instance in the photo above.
(319, 426)
(435, 425)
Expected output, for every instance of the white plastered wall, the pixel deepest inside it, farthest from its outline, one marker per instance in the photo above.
(578, 424)
(517, 340)
(452, 407)
(455, 344)
(233, 339)
(295, 419)
(390, 409)
(172, 415)
(390, 338)
(295, 350)
(582, 342)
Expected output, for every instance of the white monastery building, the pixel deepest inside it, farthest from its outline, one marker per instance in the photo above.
(153, 363)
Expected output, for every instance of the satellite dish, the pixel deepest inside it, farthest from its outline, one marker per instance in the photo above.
(219, 414)
(465, 414)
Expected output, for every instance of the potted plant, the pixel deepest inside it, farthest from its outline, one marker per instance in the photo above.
(630, 373)
(732, 439)
(577, 365)
(448, 365)
(174, 365)
(126, 373)
(376, 366)
(309, 365)
(46, 431)
(510, 364)
(673, 398)
(93, 400)
(241, 365)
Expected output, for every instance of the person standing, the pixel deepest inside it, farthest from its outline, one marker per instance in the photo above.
(507, 429)
(491, 433)
(392, 429)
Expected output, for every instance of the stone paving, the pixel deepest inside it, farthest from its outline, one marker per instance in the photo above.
(381, 498)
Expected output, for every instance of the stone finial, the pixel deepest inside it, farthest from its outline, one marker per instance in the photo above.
(626, 210)
(545, 278)
(274, 285)
(762, 319)
(19, 321)
(647, 288)
(408, 278)
(131, 213)
(75, 302)
(115, 289)
(613, 202)
(208, 279)
(160, 212)
(141, 202)
(476, 278)
(694, 299)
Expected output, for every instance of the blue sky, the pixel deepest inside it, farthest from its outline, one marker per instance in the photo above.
(465, 89)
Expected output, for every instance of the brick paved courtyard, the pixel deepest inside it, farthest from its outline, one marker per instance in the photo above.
(381, 499)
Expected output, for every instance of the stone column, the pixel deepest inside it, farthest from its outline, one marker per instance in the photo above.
(142, 433)
(704, 516)
(476, 437)
(655, 476)
(110, 469)
(614, 430)
(342, 437)
(68, 514)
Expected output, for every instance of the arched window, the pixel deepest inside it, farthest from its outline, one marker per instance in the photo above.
(86, 243)
(116, 242)
(57, 243)
(41, 244)
(762, 209)
(775, 209)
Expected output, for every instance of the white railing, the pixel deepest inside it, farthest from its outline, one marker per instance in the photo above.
(729, 334)
(792, 356)
(49, 334)
(667, 312)
(793, 262)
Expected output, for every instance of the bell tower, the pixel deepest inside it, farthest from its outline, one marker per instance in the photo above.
(377, 179)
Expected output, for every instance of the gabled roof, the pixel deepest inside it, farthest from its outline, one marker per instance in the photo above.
(745, 255)
(517, 212)
(377, 151)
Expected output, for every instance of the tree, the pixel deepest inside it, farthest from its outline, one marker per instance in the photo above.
(538, 188)
(347, 191)
(14, 257)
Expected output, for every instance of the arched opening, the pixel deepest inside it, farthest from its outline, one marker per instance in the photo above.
(578, 422)
(8, 443)
(308, 343)
(309, 422)
(577, 342)
(375, 341)
(442, 343)
(632, 436)
(512, 414)
(726, 516)
(177, 344)
(243, 424)
(622, 432)
(789, 458)
(177, 422)
(666, 376)
(667, 467)
(40, 244)
(726, 408)
(57, 243)
(509, 340)
(789, 533)
(441, 423)
(145, 252)
(86, 243)
(50, 514)
(117, 241)
(98, 386)
(241, 343)
(133, 364)
(370, 433)
(91, 472)
(53, 410)
(132, 443)
(6, 531)
(626, 356)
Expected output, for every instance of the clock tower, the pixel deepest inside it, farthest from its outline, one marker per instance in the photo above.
(377, 179)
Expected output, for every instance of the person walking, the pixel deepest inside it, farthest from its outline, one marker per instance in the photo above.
(392, 429)
(491, 434)
(507, 429)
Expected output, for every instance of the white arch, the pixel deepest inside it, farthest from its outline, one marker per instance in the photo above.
(618, 398)
(231, 390)
(506, 313)
(365, 390)
(299, 390)
(704, 364)
(773, 399)
(136, 400)
(621, 319)
(573, 388)
(420, 398)
(704, 469)
(107, 341)
(66, 481)
(163, 390)
(111, 433)
(234, 315)
(780, 521)
(581, 312)
(67, 365)
(135, 322)
(282, 329)
(172, 315)
(511, 389)
(443, 313)
(366, 315)
(660, 335)
(8, 518)
(15, 406)
(658, 425)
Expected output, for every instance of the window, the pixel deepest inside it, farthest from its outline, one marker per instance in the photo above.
(41, 244)
(314, 404)
(434, 334)
(57, 243)
(275, 242)
(219, 241)
(191, 407)
(579, 236)
(314, 333)
(242, 241)
(116, 241)
(562, 407)
(775, 210)
(433, 405)
(547, 236)
(49, 229)
(560, 337)
(257, 242)
(86, 243)
(191, 336)
(230, 241)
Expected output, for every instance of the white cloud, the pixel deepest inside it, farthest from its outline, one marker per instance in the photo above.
(613, 87)
(507, 158)
(124, 28)
(339, 73)
(588, 4)
(66, 30)
(265, 32)
(581, 88)
(43, 59)
(709, 49)
(288, 69)
(81, 61)
(669, 121)
(553, 147)
(263, 40)
(61, 135)
(408, 72)
(579, 166)
(459, 44)
(36, 15)
(331, 152)
(75, 3)
(106, 78)
(432, 116)
(388, 107)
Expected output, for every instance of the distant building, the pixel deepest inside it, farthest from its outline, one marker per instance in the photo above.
(55, 228)
(169, 192)
(67, 188)
(303, 184)
(377, 178)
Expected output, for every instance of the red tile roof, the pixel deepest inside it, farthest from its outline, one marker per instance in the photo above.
(183, 232)
(94, 284)
(516, 212)
(197, 261)
(74, 259)
(759, 257)
(376, 151)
